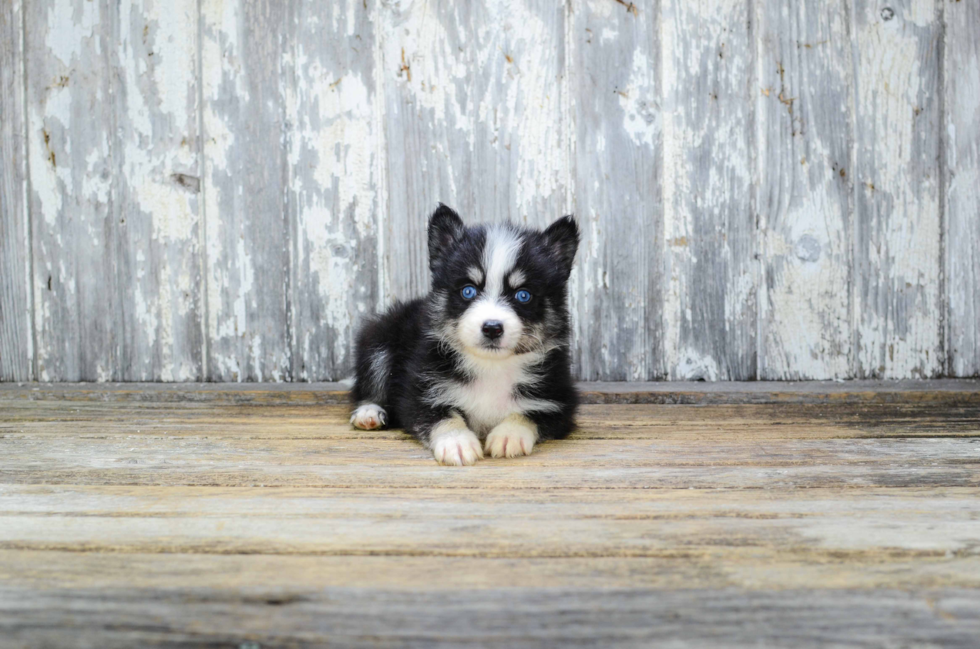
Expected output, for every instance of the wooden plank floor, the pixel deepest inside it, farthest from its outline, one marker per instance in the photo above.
(680, 516)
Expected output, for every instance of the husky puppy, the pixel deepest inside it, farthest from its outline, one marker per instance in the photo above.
(484, 356)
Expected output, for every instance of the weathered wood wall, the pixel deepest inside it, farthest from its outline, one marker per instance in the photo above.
(222, 189)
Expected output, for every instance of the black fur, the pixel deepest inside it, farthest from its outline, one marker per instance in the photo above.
(408, 354)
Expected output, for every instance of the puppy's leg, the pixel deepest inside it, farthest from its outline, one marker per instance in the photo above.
(453, 443)
(515, 435)
(369, 416)
(372, 374)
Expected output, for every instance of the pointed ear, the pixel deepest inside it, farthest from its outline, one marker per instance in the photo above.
(445, 231)
(561, 239)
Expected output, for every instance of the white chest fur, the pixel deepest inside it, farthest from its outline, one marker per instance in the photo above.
(489, 397)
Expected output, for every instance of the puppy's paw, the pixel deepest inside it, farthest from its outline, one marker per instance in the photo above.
(369, 416)
(454, 444)
(514, 436)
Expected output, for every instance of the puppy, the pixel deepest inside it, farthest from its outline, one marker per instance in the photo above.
(484, 356)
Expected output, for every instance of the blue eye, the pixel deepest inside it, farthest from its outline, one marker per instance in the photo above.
(469, 292)
(522, 296)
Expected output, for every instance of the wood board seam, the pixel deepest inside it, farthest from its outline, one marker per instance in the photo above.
(704, 552)
(202, 235)
(759, 271)
(402, 486)
(29, 213)
(381, 160)
(850, 225)
(944, 312)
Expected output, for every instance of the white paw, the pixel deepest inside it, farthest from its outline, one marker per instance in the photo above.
(454, 444)
(460, 449)
(369, 416)
(513, 436)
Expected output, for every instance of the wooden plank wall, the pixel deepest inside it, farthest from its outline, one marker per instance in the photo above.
(223, 190)
(961, 180)
(16, 344)
(617, 138)
(805, 139)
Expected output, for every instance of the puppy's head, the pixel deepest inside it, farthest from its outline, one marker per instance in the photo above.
(499, 290)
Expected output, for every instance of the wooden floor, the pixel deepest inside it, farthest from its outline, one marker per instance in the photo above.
(815, 515)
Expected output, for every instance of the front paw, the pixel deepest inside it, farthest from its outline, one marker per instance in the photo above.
(512, 437)
(454, 444)
(461, 448)
(368, 416)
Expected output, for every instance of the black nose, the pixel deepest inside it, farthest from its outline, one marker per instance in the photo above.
(493, 329)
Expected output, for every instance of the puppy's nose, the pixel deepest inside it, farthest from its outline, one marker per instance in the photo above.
(493, 329)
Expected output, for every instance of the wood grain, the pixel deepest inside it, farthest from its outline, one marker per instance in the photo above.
(473, 117)
(244, 185)
(204, 523)
(617, 447)
(156, 184)
(238, 578)
(76, 241)
(16, 309)
(903, 463)
(940, 392)
(961, 166)
(113, 147)
(126, 616)
(806, 137)
(334, 193)
(616, 290)
(814, 525)
(710, 311)
(253, 421)
(896, 288)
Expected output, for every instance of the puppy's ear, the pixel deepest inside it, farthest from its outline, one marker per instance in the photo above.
(445, 231)
(561, 240)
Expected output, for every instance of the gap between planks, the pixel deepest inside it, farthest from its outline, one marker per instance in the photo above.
(947, 391)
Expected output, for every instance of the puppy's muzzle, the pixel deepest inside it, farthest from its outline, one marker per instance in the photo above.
(493, 329)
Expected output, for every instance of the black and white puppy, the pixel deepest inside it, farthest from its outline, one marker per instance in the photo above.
(484, 356)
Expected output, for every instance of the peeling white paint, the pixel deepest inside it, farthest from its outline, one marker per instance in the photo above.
(333, 162)
(921, 12)
(66, 19)
(45, 178)
(804, 205)
(898, 327)
(146, 316)
(694, 366)
(482, 115)
(472, 108)
(962, 175)
(16, 260)
(534, 92)
(707, 176)
(642, 117)
(613, 67)
(68, 150)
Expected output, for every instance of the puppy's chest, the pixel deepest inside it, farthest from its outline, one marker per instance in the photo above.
(489, 398)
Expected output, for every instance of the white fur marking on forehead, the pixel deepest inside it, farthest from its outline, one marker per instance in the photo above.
(499, 256)
(516, 278)
(475, 274)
